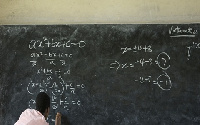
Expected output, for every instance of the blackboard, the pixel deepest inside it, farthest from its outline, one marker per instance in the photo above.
(102, 74)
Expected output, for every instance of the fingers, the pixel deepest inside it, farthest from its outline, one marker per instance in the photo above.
(58, 114)
(58, 119)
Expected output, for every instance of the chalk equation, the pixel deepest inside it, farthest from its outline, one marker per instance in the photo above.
(51, 61)
(55, 103)
(117, 65)
(51, 55)
(53, 72)
(56, 88)
(162, 60)
(51, 58)
(137, 48)
(52, 43)
(163, 81)
(53, 65)
(176, 31)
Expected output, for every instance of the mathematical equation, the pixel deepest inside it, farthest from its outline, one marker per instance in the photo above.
(163, 81)
(51, 72)
(52, 43)
(51, 55)
(137, 48)
(55, 103)
(180, 32)
(117, 65)
(56, 88)
(53, 66)
(51, 61)
(162, 60)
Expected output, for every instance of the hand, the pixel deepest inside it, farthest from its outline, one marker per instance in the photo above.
(58, 119)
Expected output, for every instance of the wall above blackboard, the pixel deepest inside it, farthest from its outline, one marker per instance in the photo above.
(101, 12)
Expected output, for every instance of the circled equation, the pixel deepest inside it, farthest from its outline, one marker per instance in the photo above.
(163, 61)
(36, 87)
(163, 81)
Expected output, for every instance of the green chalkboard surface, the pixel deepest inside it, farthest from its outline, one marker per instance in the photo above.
(142, 74)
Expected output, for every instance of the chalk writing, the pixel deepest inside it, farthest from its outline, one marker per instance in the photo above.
(57, 103)
(117, 65)
(143, 79)
(56, 88)
(52, 43)
(180, 32)
(137, 48)
(163, 81)
(34, 63)
(51, 55)
(50, 61)
(163, 60)
(32, 103)
(53, 65)
(36, 87)
(190, 47)
(51, 72)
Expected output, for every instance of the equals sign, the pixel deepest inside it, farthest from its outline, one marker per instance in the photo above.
(155, 82)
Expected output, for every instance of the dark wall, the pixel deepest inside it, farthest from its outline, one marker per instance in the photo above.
(102, 74)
